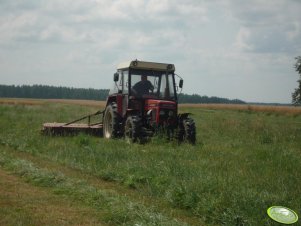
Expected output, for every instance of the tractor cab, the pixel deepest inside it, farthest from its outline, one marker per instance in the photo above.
(158, 80)
(141, 84)
(143, 99)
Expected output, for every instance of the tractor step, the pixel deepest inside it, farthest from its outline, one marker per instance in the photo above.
(71, 129)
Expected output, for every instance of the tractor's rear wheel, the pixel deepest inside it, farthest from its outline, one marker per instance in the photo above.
(111, 122)
(132, 129)
(187, 131)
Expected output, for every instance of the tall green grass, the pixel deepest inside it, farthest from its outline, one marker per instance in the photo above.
(243, 161)
(115, 209)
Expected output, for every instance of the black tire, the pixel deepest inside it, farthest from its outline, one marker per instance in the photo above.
(187, 131)
(132, 129)
(111, 122)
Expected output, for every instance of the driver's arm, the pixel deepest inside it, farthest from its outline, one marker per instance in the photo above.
(150, 86)
(134, 89)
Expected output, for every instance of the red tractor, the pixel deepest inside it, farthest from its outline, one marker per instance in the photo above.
(144, 101)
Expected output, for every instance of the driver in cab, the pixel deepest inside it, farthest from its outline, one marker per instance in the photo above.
(142, 87)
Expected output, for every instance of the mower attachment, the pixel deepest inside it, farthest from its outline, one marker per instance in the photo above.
(73, 128)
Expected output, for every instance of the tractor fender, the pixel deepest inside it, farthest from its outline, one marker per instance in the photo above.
(110, 99)
(183, 116)
(116, 99)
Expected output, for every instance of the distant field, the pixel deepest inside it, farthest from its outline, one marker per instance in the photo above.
(246, 159)
(17, 101)
(291, 110)
(244, 107)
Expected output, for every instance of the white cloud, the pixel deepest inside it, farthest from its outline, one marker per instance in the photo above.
(16, 26)
(272, 26)
(158, 7)
(294, 33)
(216, 43)
(242, 39)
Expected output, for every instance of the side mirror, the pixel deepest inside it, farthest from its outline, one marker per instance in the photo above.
(116, 77)
(181, 83)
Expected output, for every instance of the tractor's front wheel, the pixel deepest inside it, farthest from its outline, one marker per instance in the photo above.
(132, 129)
(111, 122)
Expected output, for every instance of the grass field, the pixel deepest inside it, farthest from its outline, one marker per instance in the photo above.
(246, 159)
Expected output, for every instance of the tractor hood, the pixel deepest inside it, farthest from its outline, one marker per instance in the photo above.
(161, 104)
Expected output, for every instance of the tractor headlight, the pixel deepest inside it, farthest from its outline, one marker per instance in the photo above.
(170, 113)
(149, 113)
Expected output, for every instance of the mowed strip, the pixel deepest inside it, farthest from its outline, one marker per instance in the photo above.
(24, 204)
(112, 188)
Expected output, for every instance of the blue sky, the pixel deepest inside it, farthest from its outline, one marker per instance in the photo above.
(226, 48)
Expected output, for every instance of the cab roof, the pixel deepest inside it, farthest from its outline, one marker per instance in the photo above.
(146, 66)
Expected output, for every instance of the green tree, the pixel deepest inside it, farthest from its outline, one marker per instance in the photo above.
(296, 95)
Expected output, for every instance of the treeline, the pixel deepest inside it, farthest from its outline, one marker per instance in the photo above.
(52, 92)
(197, 99)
